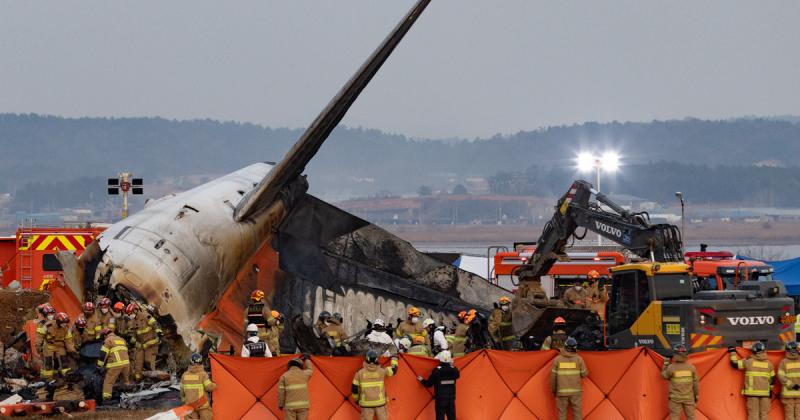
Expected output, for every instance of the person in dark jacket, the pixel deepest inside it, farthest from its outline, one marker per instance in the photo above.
(443, 380)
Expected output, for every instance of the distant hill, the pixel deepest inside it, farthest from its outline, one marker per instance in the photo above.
(358, 162)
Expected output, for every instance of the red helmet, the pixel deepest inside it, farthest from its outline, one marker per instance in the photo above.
(593, 274)
(80, 322)
(131, 308)
(119, 307)
(105, 331)
(257, 295)
(462, 315)
(104, 302)
(88, 308)
(62, 318)
(560, 320)
(48, 309)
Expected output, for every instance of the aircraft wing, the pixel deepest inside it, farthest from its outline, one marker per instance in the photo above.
(295, 161)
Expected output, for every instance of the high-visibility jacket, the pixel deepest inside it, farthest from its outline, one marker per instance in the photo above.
(420, 350)
(335, 331)
(194, 385)
(555, 341)
(144, 330)
(57, 340)
(99, 320)
(259, 313)
(114, 352)
(458, 340)
(293, 388)
(575, 298)
(758, 374)
(789, 375)
(368, 384)
(683, 379)
(500, 325)
(40, 332)
(566, 373)
(411, 330)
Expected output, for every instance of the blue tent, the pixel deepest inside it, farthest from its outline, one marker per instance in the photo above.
(788, 271)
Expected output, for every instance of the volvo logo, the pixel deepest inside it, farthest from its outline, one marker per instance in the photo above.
(751, 320)
(611, 230)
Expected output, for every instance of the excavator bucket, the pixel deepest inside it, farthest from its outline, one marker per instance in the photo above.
(533, 324)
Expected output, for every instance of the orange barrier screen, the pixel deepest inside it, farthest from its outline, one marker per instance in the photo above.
(624, 384)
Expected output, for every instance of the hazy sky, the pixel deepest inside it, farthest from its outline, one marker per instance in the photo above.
(468, 68)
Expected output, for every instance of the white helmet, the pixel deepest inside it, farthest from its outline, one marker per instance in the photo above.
(252, 328)
(379, 322)
(427, 322)
(405, 343)
(444, 356)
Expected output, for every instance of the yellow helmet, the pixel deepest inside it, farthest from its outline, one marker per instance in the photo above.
(414, 311)
(419, 340)
(276, 314)
(470, 316)
(504, 300)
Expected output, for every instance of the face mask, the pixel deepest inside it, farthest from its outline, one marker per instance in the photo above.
(104, 310)
(504, 307)
(132, 316)
(51, 317)
(415, 320)
(578, 287)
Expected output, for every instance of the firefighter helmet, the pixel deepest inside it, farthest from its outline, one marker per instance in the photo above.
(257, 295)
(470, 316)
(504, 300)
(252, 329)
(296, 361)
(428, 322)
(105, 331)
(131, 308)
(758, 347)
(119, 307)
(277, 315)
(792, 346)
(414, 311)
(324, 315)
(593, 275)
(372, 357)
(444, 356)
(680, 348)
(88, 308)
(62, 318)
(560, 320)
(419, 339)
(104, 302)
(571, 344)
(462, 315)
(378, 323)
(337, 316)
(80, 322)
(47, 309)
(197, 358)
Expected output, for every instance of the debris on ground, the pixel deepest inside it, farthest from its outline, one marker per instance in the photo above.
(15, 307)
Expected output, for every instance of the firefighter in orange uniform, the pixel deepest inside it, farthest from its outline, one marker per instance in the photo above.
(57, 343)
(759, 376)
(145, 335)
(565, 379)
(458, 339)
(369, 390)
(259, 313)
(114, 359)
(293, 396)
(46, 314)
(684, 385)
(194, 385)
(789, 375)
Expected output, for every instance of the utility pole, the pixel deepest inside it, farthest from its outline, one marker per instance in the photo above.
(683, 214)
(125, 182)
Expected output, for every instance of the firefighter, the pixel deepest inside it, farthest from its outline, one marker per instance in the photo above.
(439, 342)
(556, 340)
(457, 341)
(145, 336)
(322, 321)
(293, 397)
(565, 380)
(121, 327)
(500, 325)
(759, 376)
(46, 314)
(333, 329)
(411, 327)
(378, 337)
(57, 343)
(254, 346)
(419, 348)
(114, 360)
(194, 385)
(443, 380)
(93, 326)
(598, 297)
(102, 318)
(275, 333)
(80, 333)
(259, 313)
(789, 376)
(368, 388)
(683, 383)
(576, 297)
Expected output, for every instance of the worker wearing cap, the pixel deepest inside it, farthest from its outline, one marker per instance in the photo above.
(412, 326)
(565, 380)
(458, 339)
(443, 380)
(759, 376)
(369, 390)
(114, 359)
(556, 340)
(576, 297)
(195, 383)
(259, 313)
(789, 376)
(598, 296)
(57, 343)
(500, 325)
(293, 397)
(254, 346)
(419, 348)
(684, 384)
(145, 335)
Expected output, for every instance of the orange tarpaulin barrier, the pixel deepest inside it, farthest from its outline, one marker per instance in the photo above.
(623, 384)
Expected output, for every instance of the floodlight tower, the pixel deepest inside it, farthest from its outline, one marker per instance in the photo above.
(608, 161)
(125, 182)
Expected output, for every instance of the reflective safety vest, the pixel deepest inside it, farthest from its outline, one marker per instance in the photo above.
(257, 349)
(146, 330)
(758, 373)
(420, 350)
(114, 353)
(369, 384)
(411, 330)
(57, 339)
(566, 374)
(194, 385)
(458, 340)
(293, 388)
(789, 375)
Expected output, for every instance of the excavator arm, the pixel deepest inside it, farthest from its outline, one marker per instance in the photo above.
(659, 242)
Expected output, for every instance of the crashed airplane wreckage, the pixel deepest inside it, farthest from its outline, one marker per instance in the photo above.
(196, 256)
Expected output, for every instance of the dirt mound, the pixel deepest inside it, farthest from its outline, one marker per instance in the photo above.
(16, 306)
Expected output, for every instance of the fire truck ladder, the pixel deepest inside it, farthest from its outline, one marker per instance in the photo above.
(26, 255)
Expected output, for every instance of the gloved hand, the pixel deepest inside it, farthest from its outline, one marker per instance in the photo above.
(731, 349)
(796, 387)
(419, 378)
